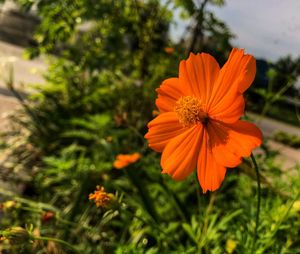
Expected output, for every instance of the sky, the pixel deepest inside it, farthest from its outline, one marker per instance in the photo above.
(265, 28)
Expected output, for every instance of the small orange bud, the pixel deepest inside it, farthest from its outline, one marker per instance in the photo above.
(169, 50)
(47, 216)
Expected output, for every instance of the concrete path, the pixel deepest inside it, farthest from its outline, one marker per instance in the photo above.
(289, 157)
(25, 72)
(270, 126)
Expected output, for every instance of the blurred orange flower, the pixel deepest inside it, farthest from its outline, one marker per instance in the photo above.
(198, 125)
(100, 197)
(123, 160)
(169, 50)
(47, 216)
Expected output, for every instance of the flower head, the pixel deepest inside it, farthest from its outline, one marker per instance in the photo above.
(230, 246)
(296, 206)
(7, 205)
(169, 50)
(16, 235)
(100, 197)
(123, 160)
(199, 123)
(47, 216)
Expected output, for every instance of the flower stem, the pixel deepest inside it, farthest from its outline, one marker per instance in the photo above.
(44, 238)
(179, 207)
(258, 202)
(144, 193)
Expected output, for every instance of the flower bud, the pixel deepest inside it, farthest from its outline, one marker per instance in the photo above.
(17, 235)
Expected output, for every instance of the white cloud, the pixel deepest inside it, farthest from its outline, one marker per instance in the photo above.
(266, 28)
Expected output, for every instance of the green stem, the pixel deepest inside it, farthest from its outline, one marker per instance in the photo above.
(177, 203)
(274, 98)
(157, 226)
(279, 223)
(143, 191)
(38, 205)
(258, 202)
(44, 238)
(77, 208)
(208, 211)
(198, 192)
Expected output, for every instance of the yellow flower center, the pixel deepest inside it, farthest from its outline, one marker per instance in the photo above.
(190, 111)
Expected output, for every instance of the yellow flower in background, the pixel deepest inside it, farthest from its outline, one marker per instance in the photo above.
(100, 197)
(7, 205)
(230, 246)
(123, 160)
(296, 206)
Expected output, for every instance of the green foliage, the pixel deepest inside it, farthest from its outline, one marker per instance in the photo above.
(287, 139)
(286, 70)
(279, 99)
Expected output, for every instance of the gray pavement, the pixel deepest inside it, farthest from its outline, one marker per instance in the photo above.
(288, 157)
(270, 126)
(25, 72)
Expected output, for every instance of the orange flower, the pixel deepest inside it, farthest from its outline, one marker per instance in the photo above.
(47, 216)
(100, 197)
(123, 160)
(198, 125)
(169, 50)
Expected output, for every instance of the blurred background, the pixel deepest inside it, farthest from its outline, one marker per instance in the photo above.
(77, 88)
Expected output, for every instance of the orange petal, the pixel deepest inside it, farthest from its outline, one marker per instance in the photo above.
(179, 158)
(168, 93)
(234, 78)
(231, 142)
(210, 173)
(122, 157)
(162, 129)
(199, 73)
(119, 164)
(134, 157)
(232, 112)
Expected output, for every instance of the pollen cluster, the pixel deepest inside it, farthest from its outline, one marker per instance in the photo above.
(100, 197)
(190, 111)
